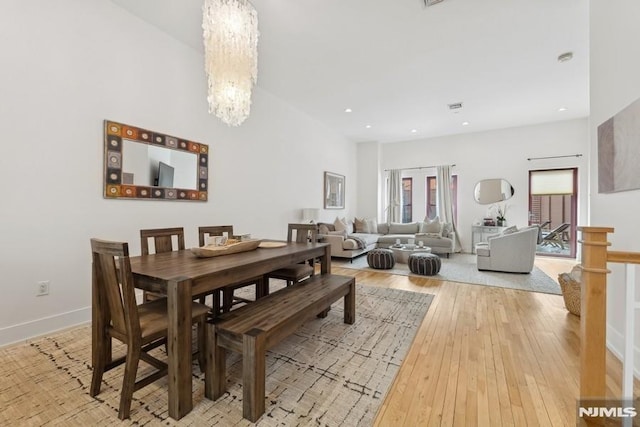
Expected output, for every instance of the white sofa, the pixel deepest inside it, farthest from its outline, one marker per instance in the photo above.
(346, 245)
(513, 252)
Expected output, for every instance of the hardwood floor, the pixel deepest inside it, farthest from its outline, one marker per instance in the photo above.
(487, 356)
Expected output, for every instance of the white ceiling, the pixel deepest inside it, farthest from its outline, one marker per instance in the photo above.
(398, 64)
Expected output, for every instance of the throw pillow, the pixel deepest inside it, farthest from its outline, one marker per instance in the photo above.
(324, 228)
(351, 227)
(373, 225)
(383, 228)
(447, 228)
(341, 224)
(433, 235)
(349, 244)
(361, 225)
(509, 230)
(431, 226)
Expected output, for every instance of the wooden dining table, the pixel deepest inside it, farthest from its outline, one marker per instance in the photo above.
(181, 276)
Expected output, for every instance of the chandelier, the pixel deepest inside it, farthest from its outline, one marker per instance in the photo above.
(230, 32)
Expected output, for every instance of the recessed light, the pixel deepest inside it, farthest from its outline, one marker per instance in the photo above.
(368, 126)
(465, 123)
(414, 130)
(561, 109)
(348, 110)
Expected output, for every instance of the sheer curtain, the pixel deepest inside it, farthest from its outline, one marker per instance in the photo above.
(444, 205)
(394, 196)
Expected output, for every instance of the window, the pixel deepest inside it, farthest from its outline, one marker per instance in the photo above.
(407, 192)
(432, 197)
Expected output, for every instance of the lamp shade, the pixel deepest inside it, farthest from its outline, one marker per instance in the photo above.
(310, 214)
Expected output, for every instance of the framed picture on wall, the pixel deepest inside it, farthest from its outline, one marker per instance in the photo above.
(333, 191)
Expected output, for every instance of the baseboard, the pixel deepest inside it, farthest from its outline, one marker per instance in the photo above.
(615, 343)
(24, 331)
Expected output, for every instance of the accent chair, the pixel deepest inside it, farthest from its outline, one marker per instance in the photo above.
(512, 253)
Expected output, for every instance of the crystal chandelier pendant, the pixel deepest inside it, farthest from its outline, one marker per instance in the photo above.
(230, 33)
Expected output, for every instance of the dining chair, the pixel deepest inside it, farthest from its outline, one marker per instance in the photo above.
(228, 297)
(163, 242)
(140, 327)
(214, 230)
(294, 273)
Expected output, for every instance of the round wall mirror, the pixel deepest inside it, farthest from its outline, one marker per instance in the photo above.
(494, 190)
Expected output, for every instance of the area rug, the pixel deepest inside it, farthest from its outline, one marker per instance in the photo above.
(462, 268)
(327, 373)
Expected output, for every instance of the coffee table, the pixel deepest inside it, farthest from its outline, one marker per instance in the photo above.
(401, 255)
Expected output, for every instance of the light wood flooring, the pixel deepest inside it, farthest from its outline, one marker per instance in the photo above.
(487, 356)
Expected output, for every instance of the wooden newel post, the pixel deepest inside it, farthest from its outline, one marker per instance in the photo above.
(593, 314)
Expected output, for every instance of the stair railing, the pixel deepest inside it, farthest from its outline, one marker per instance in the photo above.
(593, 318)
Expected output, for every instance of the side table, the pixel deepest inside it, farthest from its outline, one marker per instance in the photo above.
(479, 234)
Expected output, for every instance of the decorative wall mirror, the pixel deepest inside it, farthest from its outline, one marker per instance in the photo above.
(142, 164)
(333, 191)
(494, 190)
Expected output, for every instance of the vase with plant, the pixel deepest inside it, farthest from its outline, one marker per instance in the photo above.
(501, 211)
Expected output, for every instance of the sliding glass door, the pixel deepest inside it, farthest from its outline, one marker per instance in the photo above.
(553, 204)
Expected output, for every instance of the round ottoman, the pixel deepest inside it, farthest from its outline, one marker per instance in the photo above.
(381, 258)
(424, 264)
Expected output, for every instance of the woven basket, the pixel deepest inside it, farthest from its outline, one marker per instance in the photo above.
(570, 292)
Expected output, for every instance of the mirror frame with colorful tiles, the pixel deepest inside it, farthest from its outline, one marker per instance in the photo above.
(116, 134)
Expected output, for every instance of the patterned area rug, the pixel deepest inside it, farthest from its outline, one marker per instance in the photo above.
(463, 268)
(327, 374)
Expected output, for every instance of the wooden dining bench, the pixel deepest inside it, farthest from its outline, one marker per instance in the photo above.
(253, 329)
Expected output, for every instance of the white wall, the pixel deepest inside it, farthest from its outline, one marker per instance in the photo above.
(70, 64)
(494, 154)
(369, 180)
(614, 84)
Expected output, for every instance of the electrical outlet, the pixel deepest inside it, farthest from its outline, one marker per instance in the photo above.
(42, 288)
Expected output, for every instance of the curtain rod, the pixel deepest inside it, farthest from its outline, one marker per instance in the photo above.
(419, 167)
(554, 157)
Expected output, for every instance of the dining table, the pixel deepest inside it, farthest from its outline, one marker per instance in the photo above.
(182, 276)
